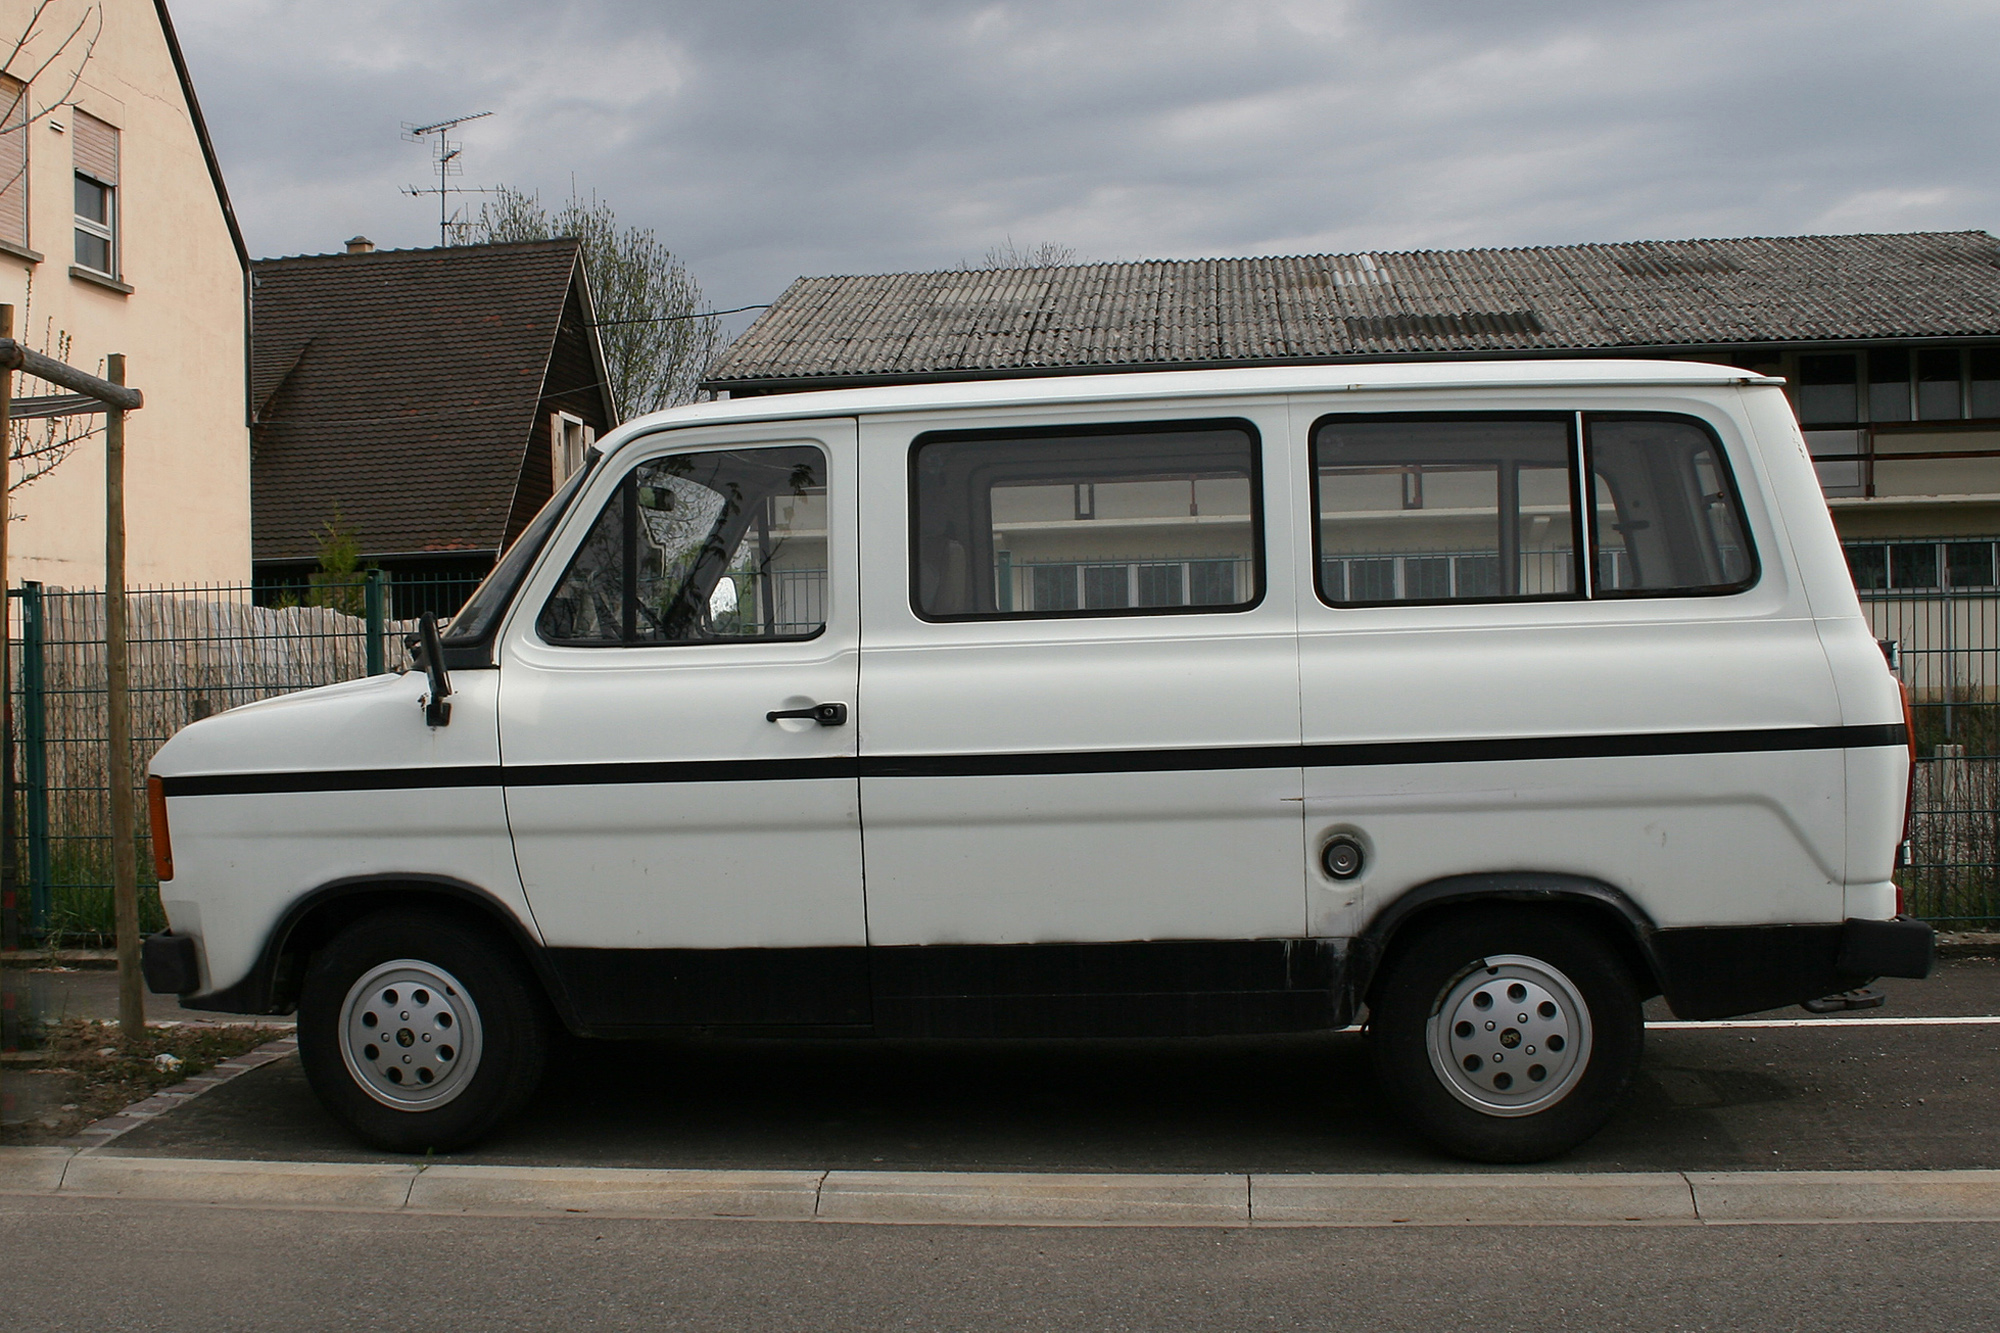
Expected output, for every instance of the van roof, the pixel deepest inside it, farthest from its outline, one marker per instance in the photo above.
(1428, 375)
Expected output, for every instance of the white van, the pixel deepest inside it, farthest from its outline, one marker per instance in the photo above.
(1483, 701)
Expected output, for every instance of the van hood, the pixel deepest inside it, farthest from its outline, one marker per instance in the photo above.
(374, 723)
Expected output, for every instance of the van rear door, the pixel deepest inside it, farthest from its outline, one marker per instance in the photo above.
(1479, 698)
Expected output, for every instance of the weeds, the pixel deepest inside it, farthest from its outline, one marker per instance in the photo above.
(87, 1074)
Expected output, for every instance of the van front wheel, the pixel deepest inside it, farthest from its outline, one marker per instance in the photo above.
(1506, 1036)
(420, 1032)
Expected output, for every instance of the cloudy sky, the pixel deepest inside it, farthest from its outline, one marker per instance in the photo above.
(764, 139)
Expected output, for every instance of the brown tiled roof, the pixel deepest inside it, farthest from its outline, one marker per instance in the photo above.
(1650, 295)
(399, 387)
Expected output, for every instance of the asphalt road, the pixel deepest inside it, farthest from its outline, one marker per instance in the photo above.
(1825, 1097)
(105, 1265)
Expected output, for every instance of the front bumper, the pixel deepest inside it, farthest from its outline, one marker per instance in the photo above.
(1722, 971)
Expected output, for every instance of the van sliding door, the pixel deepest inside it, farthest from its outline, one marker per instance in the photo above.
(1079, 704)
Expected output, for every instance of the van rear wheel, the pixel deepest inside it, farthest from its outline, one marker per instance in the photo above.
(420, 1031)
(1506, 1036)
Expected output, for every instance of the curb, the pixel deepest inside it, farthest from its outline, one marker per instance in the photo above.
(1968, 944)
(33, 958)
(100, 1132)
(1020, 1199)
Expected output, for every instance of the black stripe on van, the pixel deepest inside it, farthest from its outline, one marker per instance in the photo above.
(1364, 754)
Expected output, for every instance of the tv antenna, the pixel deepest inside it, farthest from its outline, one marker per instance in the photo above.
(444, 159)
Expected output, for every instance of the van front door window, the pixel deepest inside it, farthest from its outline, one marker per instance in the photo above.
(697, 547)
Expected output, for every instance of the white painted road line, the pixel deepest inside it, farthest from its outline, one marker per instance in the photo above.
(1678, 1025)
(1496, 1198)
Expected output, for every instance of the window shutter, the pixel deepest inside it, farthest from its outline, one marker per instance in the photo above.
(13, 160)
(96, 148)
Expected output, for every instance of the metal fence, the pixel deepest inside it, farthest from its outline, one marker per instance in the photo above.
(1947, 650)
(194, 651)
(198, 650)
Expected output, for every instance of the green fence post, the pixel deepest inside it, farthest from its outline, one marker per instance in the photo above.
(35, 752)
(377, 611)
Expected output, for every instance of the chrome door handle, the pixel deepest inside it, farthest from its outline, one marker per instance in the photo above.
(827, 715)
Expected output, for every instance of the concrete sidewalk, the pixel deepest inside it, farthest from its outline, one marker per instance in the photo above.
(1020, 1198)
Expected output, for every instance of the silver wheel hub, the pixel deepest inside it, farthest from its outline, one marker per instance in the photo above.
(410, 1035)
(1511, 1036)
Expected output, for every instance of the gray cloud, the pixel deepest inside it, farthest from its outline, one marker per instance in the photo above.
(764, 139)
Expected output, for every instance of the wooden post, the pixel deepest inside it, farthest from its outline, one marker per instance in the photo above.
(10, 865)
(118, 709)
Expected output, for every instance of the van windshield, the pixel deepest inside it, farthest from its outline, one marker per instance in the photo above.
(475, 620)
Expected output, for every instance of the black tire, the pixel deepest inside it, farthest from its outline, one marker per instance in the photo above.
(1438, 987)
(467, 999)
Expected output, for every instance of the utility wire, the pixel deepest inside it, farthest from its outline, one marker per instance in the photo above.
(663, 319)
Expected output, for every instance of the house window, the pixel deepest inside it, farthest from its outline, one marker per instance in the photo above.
(1827, 390)
(1983, 381)
(1937, 385)
(13, 161)
(96, 146)
(1889, 385)
(1829, 394)
(1921, 566)
(569, 440)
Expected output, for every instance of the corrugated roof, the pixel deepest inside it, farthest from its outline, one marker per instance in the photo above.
(399, 387)
(1639, 295)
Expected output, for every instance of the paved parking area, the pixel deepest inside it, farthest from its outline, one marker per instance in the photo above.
(1824, 1096)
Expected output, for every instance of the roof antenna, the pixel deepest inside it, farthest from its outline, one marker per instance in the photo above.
(453, 227)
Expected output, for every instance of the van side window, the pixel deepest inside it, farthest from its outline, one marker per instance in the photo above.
(1444, 509)
(1477, 508)
(1667, 517)
(1080, 521)
(698, 548)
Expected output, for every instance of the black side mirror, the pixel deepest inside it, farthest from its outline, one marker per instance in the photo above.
(429, 650)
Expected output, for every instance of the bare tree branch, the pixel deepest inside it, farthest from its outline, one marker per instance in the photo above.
(28, 81)
(657, 330)
(1007, 255)
(28, 33)
(40, 446)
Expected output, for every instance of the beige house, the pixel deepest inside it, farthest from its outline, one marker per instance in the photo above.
(116, 235)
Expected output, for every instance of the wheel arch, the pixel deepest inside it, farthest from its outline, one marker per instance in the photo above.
(1603, 905)
(272, 984)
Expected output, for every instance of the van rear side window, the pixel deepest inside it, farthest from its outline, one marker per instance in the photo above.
(1444, 509)
(1083, 521)
(1667, 518)
(1428, 508)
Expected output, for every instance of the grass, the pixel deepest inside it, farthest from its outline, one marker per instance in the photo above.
(1974, 722)
(81, 912)
(86, 1075)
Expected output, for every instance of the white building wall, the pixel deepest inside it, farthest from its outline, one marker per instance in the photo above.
(181, 327)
